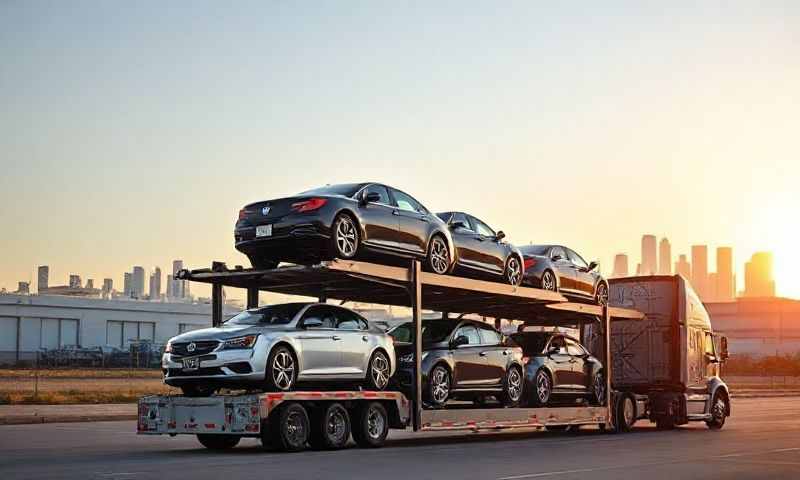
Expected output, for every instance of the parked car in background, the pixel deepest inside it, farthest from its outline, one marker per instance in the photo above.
(461, 359)
(343, 221)
(559, 366)
(560, 269)
(276, 347)
(480, 250)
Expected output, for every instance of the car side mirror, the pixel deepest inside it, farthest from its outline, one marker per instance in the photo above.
(592, 266)
(553, 350)
(459, 340)
(455, 225)
(370, 197)
(500, 235)
(312, 323)
(557, 258)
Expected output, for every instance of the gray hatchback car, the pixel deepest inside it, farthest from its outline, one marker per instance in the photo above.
(276, 347)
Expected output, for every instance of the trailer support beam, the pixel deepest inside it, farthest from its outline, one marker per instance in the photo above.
(252, 297)
(416, 315)
(216, 304)
(607, 365)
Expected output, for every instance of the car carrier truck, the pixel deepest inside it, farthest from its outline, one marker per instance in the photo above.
(292, 421)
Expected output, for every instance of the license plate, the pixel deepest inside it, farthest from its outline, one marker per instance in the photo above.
(191, 363)
(264, 231)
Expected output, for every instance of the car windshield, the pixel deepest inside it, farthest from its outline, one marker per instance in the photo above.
(345, 189)
(534, 249)
(272, 315)
(532, 343)
(433, 331)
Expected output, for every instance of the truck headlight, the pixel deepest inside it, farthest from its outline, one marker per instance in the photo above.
(248, 341)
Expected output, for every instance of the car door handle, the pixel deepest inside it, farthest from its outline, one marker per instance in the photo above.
(395, 212)
(336, 337)
(365, 338)
(482, 354)
(505, 352)
(480, 239)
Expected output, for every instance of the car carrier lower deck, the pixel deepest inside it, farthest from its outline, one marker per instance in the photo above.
(280, 418)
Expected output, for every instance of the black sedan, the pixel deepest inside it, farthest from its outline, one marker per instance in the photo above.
(481, 251)
(343, 221)
(559, 366)
(461, 359)
(560, 269)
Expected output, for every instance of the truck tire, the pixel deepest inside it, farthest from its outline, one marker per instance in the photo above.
(330, 427)
(289, 428)
(719, 409)
(625, 413)
(218, 442)
(665, 423)
(371, 425)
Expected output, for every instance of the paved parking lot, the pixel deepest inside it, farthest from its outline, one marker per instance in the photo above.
(761, 440)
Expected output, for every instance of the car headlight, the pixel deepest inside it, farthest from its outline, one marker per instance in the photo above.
(168, 347)
(248, 341)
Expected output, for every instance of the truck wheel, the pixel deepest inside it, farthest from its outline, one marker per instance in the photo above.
(625, 414)
(330, 427)
(665, 423)
(718, 408)
(218, 442)
(371, 425)
(290, 428)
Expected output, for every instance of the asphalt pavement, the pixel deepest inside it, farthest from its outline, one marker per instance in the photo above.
(760, 441)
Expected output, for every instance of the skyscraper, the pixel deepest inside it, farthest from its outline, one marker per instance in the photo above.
(649, 258)
(128, 285)
(137, 282)
(758, 281)
(725, 280)
(90, 283)
(179, 286)
(108, 287)
(620, 266)
(155, 284)
(664, 257)
(74, 281)
(683, 268)
(43, 278)
(170, 283)
(700, 270)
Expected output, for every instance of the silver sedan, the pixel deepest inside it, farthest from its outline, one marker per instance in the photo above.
(276, 347)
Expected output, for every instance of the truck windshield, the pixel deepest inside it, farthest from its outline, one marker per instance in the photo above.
(272, 315)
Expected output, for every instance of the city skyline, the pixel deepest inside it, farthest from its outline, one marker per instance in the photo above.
(108, 166)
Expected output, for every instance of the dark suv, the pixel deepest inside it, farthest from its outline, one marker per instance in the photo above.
(461, 359)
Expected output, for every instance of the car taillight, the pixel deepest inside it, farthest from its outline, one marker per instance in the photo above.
(525, 360)
(309, 205)
(529, 262)
(242, 214)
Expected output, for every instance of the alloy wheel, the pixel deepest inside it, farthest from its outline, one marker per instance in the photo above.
(599, 388)
(548, 281)
(375, 422)
(513, 271)
(542, 387)
(602, 294)
(439, 257)
(346, 237)
(514, 384)
(283, 370)
(440, 385)
(380, 371)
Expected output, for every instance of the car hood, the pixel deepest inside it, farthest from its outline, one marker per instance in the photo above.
(226, 332)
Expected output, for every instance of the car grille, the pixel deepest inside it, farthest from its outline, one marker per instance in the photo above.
(200, 348)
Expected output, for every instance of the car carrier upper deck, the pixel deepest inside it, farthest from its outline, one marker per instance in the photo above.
(221, 420)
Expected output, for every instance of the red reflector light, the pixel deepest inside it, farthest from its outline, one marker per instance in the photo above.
(529, 262)
(309, 205)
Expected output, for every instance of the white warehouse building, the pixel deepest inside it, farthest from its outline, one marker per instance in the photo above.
(29, 324)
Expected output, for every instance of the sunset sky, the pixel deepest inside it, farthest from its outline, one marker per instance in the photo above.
(132, 133)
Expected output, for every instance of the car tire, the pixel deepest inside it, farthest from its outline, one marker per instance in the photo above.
(289, 427)
(260, 263)
(378, 371)
(719, 409)
(198, 390)
(439, 383)
(599, 388)
(281, 371)
(438, 258)
(345, 238)
(513, 272)
(542, 389)
(371, 425)
(601, 294)
(549, 281)
(330, 427)
(514, 384)
(218, 442)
